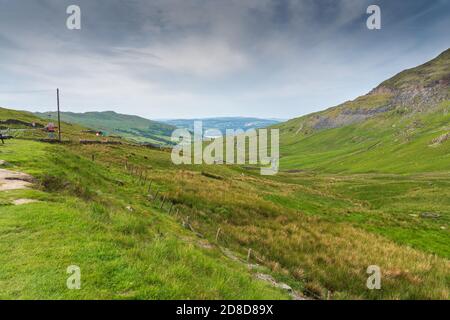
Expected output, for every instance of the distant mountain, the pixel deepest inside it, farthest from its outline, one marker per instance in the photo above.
(401, 125)
(131, 127)
(223, 123)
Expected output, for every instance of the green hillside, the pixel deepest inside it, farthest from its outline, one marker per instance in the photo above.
(19, 124)
(401, 126)
(132, 127)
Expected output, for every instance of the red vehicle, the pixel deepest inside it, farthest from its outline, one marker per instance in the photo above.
(51, 129)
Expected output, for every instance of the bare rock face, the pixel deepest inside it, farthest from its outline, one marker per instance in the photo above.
(421, 98)
(347, 117)
(382, 90)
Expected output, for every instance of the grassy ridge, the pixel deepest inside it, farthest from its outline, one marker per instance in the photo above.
(131, 127)
(69, 131)
(424, 75)
(82, 219)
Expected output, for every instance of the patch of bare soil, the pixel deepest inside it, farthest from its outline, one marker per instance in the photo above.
(10, 180)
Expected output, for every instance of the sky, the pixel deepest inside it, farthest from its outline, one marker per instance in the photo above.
(207, 58)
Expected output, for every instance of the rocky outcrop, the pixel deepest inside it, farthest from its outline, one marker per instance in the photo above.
(411, 99)
(417, 98)
(346, 117)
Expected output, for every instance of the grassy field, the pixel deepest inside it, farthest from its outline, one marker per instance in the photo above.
(316, 232)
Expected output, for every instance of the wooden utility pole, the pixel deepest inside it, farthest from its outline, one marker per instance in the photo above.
(59, 117)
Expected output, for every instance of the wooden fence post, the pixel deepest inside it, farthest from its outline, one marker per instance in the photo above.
(164, 200)
(150, 186)
(249, 254)
(217, 234)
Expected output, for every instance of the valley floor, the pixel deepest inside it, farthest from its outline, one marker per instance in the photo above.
(316, 232)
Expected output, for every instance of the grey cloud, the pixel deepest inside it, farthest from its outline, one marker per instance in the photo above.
(167, 58)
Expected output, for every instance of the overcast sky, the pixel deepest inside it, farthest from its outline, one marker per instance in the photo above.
(203, 58)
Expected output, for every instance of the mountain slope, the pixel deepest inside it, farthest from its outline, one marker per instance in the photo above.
(400, 126)
(132, 127)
